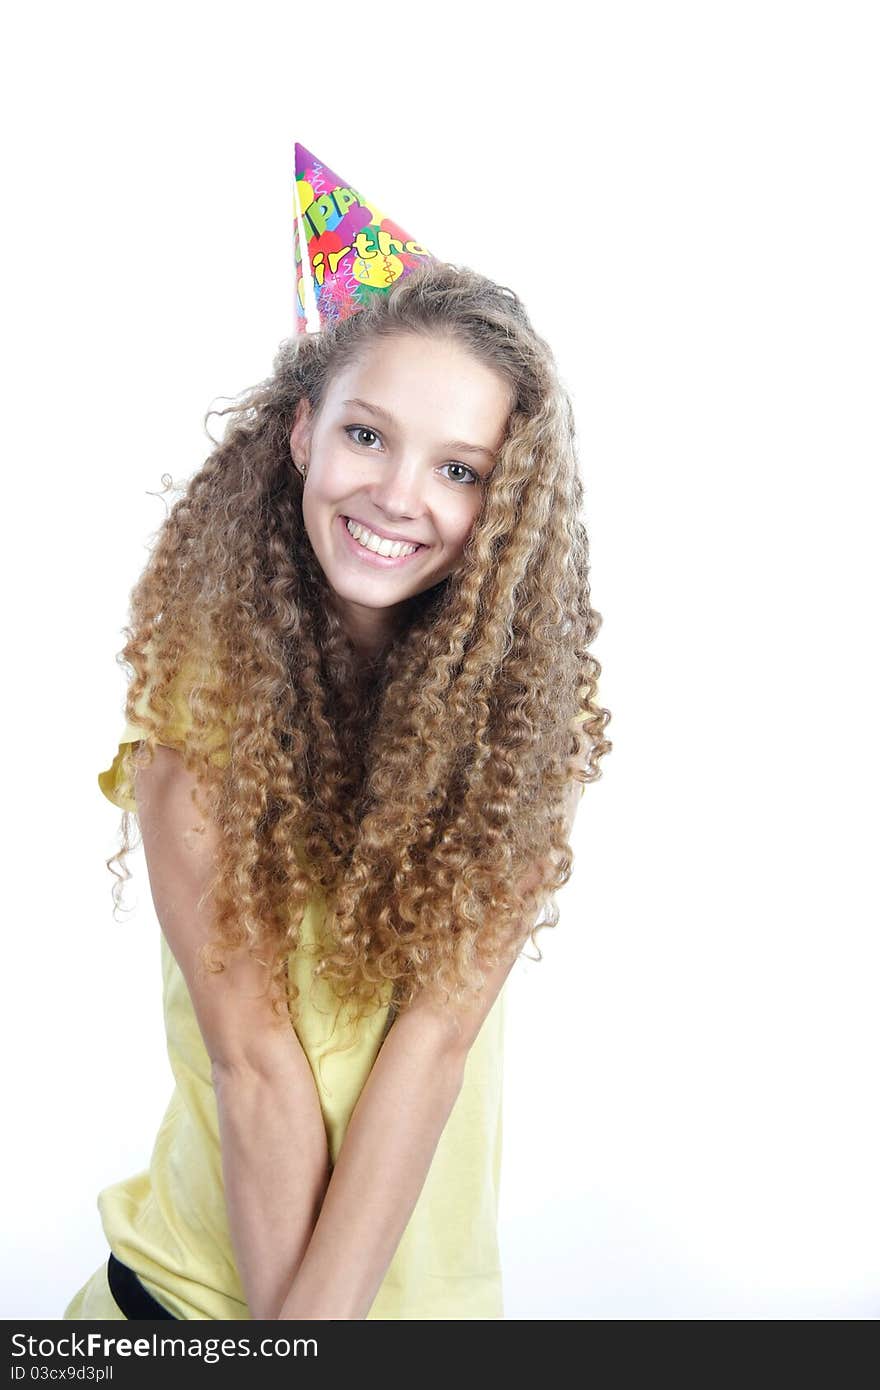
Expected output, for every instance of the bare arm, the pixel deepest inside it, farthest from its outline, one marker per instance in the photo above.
(273, 1142)
(382, 1165)
(273, 1149)
(388, 1147)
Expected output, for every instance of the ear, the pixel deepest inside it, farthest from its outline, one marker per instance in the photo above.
(300, 433)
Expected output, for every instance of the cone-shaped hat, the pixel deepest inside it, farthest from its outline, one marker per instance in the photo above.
(346, 249)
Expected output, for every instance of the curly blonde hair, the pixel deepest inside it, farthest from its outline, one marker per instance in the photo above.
(421, 798)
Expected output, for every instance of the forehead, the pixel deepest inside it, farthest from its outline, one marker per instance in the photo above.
(428, 383)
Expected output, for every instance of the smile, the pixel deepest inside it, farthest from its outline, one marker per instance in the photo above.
(371, 549)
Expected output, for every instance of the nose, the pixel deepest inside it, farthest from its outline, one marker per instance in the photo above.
(398, 489)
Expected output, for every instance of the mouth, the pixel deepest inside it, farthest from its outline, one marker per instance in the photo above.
(370, 557)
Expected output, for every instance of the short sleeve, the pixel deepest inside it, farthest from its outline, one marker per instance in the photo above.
(116, 781)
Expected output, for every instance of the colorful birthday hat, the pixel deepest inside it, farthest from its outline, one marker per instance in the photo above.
(346, 250)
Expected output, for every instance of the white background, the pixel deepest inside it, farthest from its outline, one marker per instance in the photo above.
(685, 196)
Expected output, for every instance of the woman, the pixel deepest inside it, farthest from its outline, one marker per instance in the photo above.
(358, 773)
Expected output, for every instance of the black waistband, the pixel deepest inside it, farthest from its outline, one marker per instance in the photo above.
(131, 1297)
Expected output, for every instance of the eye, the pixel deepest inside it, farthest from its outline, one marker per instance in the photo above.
(475, 476)
(360, 429)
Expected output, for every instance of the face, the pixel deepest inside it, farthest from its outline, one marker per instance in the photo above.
(401, 448)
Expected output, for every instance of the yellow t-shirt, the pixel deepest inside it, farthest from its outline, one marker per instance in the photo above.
(169, 1224)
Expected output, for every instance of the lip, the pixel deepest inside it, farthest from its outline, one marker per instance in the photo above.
(369, 557)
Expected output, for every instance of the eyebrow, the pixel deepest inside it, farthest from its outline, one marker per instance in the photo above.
(450, 443)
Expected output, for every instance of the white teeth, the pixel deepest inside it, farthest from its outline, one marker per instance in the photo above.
(370, 541)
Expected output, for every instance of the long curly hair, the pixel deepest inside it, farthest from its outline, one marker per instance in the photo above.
(420, 798)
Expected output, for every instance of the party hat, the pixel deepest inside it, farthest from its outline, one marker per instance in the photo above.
(346, 250)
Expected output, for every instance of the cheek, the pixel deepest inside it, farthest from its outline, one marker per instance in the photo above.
(456, 533)
(332, 475)
(331, 459)
(463, 519)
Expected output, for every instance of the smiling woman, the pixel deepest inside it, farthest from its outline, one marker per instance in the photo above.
(401, 485)
(355, 768)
